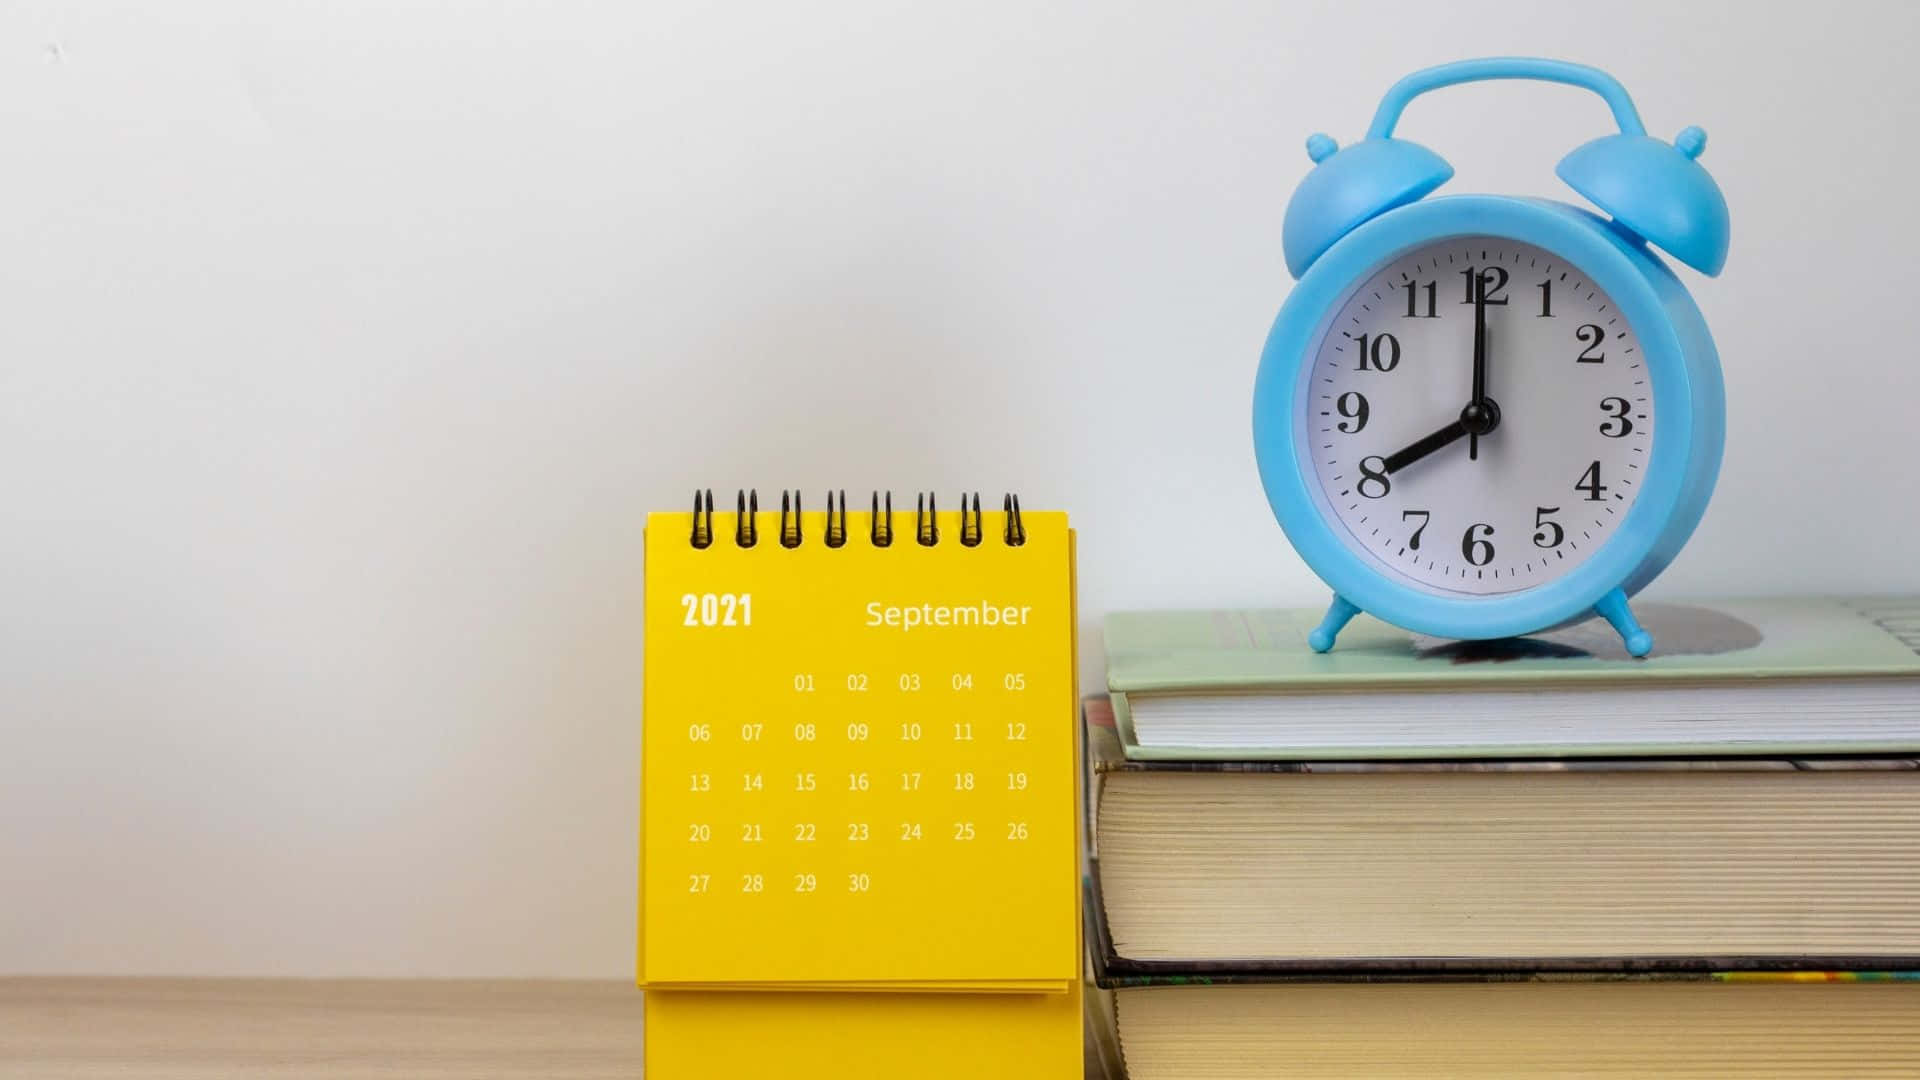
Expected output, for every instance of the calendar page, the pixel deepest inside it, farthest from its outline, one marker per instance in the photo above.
(859, 759)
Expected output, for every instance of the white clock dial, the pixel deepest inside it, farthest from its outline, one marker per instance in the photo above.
(1393, 431)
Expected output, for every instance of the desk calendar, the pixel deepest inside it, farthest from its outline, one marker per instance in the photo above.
(860, 776)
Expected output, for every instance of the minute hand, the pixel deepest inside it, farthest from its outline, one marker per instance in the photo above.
(1400, 459)
(1479, 401)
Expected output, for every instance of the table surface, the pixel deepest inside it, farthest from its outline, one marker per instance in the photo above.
(142, 1029)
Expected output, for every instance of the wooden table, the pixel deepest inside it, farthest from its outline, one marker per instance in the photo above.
(145, 1029)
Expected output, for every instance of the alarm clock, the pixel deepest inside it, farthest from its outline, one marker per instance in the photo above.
(1481, 416)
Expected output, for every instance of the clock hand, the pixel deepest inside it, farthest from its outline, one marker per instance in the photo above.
(1400, 459)
(1479, 364)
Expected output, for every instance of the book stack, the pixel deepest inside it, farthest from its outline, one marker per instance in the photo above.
(1411, 857)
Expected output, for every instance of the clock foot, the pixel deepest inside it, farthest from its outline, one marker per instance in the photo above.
(1613, 608)
(1337, 617)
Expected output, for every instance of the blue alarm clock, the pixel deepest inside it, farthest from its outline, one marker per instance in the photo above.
(1479, 416)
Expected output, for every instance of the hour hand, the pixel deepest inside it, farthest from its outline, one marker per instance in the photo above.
(1400, 459)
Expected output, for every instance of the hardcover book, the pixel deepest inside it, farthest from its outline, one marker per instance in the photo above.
(1772, 678)
(1311, 868)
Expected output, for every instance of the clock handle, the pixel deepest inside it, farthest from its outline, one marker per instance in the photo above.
(1506, 67)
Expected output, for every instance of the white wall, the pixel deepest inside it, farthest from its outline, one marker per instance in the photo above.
(344, 347)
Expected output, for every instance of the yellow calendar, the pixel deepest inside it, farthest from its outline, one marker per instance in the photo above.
(860, 790)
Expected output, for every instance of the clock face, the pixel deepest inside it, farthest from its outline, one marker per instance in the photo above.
(1465, 491)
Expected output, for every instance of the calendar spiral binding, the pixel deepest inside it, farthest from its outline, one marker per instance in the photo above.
(926, 528)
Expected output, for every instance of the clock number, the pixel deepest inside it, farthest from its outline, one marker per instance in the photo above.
(1353, 406)
(1546, 299)
(1412, 288)
(1382, 350)
(1616, 408)
(1373, 470)
(1478, 551)
(1496, 278)
(1542, 537)
(1592, 336)
(1413, 544)
(1590, 483)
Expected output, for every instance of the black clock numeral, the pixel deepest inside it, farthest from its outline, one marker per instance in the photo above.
(1590, 483)
(1382, 350)
(1477, 550)
(1413, 544)
(1592, 337)
(1546, 298)
(1616, 409)
(1353, 406)
(1413, 287)
(1496, 283)
(1373, 473)
(1543, 538)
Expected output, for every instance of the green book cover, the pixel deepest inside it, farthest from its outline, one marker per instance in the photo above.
(1213, 655)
